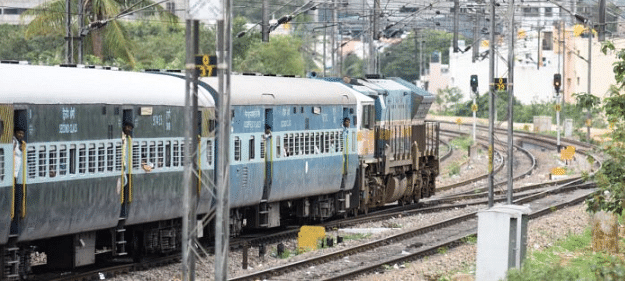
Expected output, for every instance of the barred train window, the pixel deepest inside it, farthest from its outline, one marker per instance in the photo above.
(52, 159)
(322, 142)
(160, 154)
(297, 149)
(136, 154)
(1, 164)
(251, 148)
(82, 159)
(101, 158)
(110, 157)
(72, 159)
(263, 141)
(182, 153)
(286, 145)
(176, 156)
(92, 158)
(339, 137)
(152, 153)
(168, 154)
(31, 159)
(237, 149)
(209, 152)
(143, 157)
(42, 161)
(307, 143)
(63, 160)
(118, 156)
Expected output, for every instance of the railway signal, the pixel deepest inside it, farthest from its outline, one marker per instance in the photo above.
(557, 82)
(474, 83)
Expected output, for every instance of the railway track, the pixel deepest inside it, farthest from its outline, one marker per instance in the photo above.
(425, 241)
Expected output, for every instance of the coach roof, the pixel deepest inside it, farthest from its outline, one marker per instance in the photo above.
(70, 85)
(252, 90)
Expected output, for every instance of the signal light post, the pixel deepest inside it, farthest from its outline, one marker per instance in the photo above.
(557, 82)
(474, 105)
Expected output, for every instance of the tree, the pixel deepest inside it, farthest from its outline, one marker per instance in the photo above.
(107, 38)
(403, 59)
(352, 66)
(610, 178)
(281, 55)
(449, 99)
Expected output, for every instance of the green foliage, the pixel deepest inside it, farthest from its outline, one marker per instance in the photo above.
(110, 42)
(448, 99)
(442, 250)
(568, 259)
(285, 255)
(462, 142)
(353, 66)
(37, 49)
(611, 177)
(471, 239)
(403, 59)
(454, 169)
(356, 236)
(280, 55)
(610, 269)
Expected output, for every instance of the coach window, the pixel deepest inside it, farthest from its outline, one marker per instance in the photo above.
(52, 161)
(136, 154)
(298, 149)
(72, 159)
(101, 158)
(144, 150)
(237, 149)
(176, 152)
(82, 158)
(63, 160)
(181, 153)
(167, 154)
(30, 162)
(306, 143)
(42, 161)
(252, 145)
(110, 156)
(92, 158)
(160, 161)
(294, 110)
(209, 150)
(152, 153)
(118, 156)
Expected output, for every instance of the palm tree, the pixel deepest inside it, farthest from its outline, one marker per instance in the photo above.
(106, 36)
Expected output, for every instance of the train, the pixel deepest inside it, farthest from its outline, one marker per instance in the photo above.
(97, 170)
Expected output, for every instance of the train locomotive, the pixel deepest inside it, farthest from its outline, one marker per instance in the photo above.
(301, 150)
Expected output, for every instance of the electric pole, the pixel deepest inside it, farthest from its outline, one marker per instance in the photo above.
(456, 8)
(69, 52)
(510, 101)
(491, 105)
(265, 21)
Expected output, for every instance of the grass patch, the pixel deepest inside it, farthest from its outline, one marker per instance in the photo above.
(570, 259)
(454, 169)
(356, 236)
(471, 239)
(462, 142)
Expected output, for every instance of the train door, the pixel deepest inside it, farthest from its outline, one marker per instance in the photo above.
(347, 123)
(268, 147)
(127, 159)
(6, 173)
(20, 138)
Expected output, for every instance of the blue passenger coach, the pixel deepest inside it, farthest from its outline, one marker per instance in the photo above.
(81, 182)
(308, 166)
